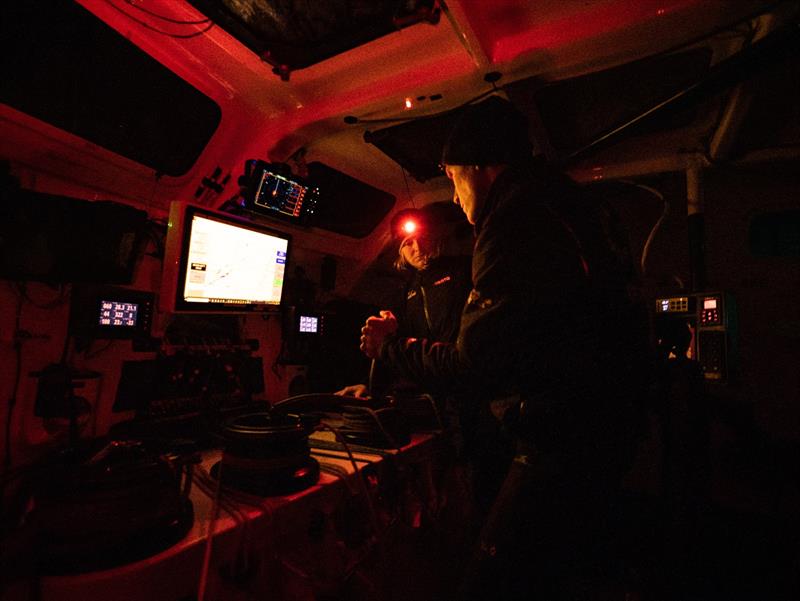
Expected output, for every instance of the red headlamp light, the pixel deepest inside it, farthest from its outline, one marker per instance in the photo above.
(407, 222)
(409, 227)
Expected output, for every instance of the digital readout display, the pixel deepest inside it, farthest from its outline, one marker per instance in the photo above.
(118, 313)
(309, 324)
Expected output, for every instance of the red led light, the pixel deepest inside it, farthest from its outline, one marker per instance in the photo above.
(409, 227)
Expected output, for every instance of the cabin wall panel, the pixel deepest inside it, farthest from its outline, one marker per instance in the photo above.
(40, 337)
(766, 290)
(43, 323)
(667, 262)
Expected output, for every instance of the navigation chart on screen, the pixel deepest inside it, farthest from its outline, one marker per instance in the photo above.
(232, 264)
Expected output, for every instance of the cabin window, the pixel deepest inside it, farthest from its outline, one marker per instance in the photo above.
(347, 206)
(574, 113)
(76, 73)
(570, 114)
(416, 145)
(57, 239)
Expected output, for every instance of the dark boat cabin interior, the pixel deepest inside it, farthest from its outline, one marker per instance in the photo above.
(197, 218)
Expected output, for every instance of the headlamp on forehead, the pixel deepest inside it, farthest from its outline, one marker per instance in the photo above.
(409, 227)
(434, 221)
(407, 223)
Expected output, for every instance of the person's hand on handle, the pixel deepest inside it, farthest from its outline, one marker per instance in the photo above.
(375, 332)
(356, 390)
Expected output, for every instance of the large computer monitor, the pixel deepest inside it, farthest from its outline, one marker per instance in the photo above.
(217, 263)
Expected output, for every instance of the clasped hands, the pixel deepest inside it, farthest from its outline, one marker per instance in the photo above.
(373, 334)
(375, 331)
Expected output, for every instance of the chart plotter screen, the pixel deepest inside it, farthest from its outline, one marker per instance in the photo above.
(229, 264)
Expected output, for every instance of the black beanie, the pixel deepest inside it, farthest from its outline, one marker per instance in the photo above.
(492, 132)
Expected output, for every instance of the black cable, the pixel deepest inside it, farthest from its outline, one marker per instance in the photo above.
(65, 350)
(279, 358)
(360, 476)
(15, 390)
(206, 562)
(153, 232)
(218, 491)
(88, 355)
(408, 189)
(161, 31)
(373, 514)
(373, 366)
(361, 422)
(654, 230)
(162, 17)
(22, 289)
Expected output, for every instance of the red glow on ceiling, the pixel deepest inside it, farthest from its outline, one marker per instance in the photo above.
(507, 28)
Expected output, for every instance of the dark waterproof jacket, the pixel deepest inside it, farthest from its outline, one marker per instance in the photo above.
(551, 317)
(429, 307)
(435, 298)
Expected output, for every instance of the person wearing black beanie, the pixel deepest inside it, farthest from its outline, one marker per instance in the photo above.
(485, 140)
(554, 340)
(492, 132)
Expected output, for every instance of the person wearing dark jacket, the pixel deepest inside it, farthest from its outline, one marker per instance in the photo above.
(554, 338)
(435, 297)
(437, 276)
(438, 283)
(433, 302)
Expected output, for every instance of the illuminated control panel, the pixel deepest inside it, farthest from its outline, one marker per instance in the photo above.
(309, 324)
(273, 191)
(110, 313)
(677, 304)
(121, 313)
(710, 311)
(118, 313)
(708, 321)
(281, 194)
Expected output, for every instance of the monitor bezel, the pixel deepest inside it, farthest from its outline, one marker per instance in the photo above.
(176, 258)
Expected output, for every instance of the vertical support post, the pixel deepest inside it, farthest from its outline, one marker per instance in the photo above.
(695, 205)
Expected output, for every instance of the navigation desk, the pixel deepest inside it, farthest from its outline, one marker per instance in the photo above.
(299, 546)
